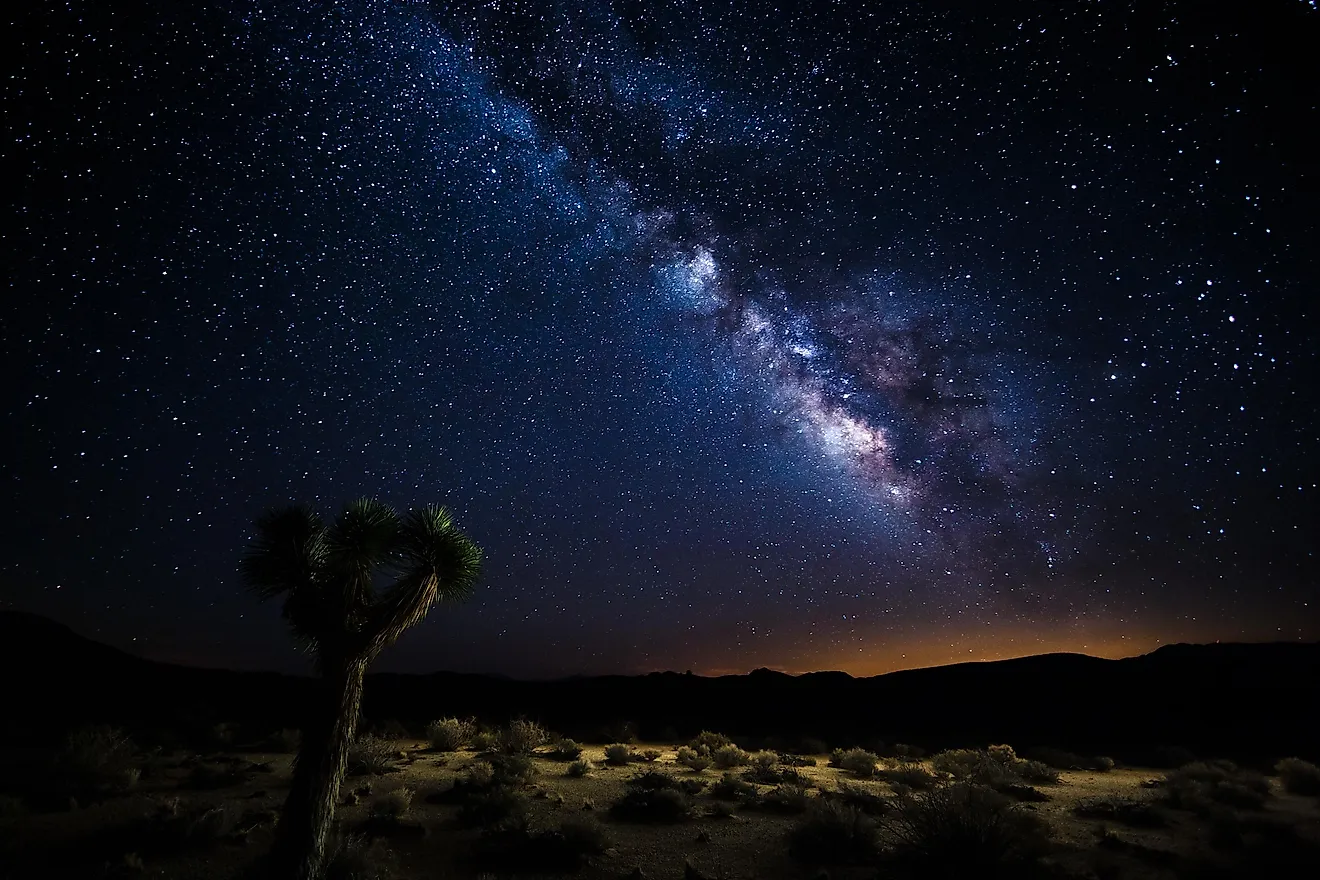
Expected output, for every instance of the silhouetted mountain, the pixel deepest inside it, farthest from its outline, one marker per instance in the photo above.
(1230, 699)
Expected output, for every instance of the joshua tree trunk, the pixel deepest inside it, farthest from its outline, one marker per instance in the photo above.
(304, 826)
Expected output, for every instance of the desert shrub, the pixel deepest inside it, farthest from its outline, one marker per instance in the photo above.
(394, 805)
(579, 768)
(859, 762)
(836, 758)
(777, 776)
(730, 788)
(211, 825)
(914, 776)
(1137, 814)
(485, 740)
(798, 760)
(522, 737)
(1034, 771)
(1102, 764)
(618, 754)
(1299, 777)
(98, 759)
(370, 755)
(517, 847)
(965, 764)
(908, 753)
(720, 809)
(479, 774)
(964, 830)
(488, 806)
(1195, 785)
(763, 760)
(354, 857)
(862, 798)
(693, 760)
(1003, 754)
(786, 798)
(516, 769)
(565, 750)
(833, 833)
(708, 743)
(652, 805)
(449, 734)
(650, 756)
(652, 779)
(728, 757)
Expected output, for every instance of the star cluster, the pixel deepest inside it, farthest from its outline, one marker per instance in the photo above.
(826, 336)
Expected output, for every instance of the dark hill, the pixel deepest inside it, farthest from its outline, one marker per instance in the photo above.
(1230, 699)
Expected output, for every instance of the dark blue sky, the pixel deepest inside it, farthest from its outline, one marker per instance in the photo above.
(834, 336)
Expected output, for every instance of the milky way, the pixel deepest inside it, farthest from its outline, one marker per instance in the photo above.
(825, 336)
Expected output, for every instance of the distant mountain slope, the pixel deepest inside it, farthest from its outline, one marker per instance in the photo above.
(1229, 698)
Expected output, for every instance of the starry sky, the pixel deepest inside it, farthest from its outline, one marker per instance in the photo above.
(823, 335)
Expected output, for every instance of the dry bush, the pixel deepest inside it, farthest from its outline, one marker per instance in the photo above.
(786, 798)
(652, 805)
(834, 833)
(707, 742)
(514, 769)
(370, 755)
(355, 857)
(693, 759)
(859, 762)
(484, 740)
(1197, 785)
(98, 759)
(618, 754)
(763, 760)
(913, 776)
(450, 734)
(730, 787)
(393, 806)
(522, 737)
(490, 806)
(579, 768)
(855, 795)
(565, 750)
(650, 756)
(964, 830)
(1299, 777)
(728, 757)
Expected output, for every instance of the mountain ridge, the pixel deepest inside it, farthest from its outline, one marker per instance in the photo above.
(1230, 698)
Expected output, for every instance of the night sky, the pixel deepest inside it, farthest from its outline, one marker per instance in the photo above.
(831, 336)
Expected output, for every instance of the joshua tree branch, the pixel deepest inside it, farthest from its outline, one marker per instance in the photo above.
(400, 608)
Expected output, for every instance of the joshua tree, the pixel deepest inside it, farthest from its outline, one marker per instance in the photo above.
(329, 578)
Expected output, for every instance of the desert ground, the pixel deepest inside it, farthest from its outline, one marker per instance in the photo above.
(412, 811)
